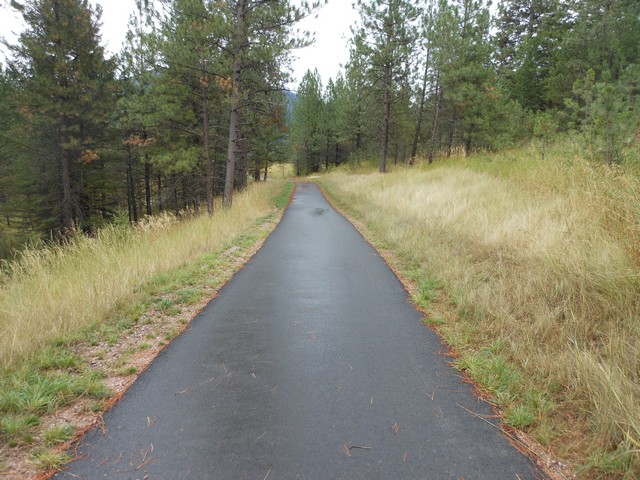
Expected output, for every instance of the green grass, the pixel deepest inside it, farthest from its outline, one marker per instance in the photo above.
(282, 200)
(57, 434)
(16, 428)
(49, 459)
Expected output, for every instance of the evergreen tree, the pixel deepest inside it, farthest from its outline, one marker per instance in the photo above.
(306, 138)
(138, 68)
(529, 32)
(259, 41)
(385, 40)
(359, 106)
(189, 89)
(67, 96)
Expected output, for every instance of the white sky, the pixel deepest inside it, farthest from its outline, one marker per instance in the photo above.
(331, 25)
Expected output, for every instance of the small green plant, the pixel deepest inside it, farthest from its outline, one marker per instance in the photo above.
(13, 426)
(189, 296)
(57, 434)
(434, 320)
(520, 416)
(610, 463)
(49, 459)
(58, 357)
(427, 292)
(126, 371)
(171, 333)
(165, 304)
(282, 199)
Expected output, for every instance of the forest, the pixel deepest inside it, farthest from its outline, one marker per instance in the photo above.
(426, 79)
(194, 105)
(190, 108)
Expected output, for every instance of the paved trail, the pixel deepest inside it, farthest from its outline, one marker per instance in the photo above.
(311, 347)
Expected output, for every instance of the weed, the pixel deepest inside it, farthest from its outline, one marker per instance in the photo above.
(49, 459)
(520, 416)
(189, 296)
(57, 357)
(165, 304)
(434, 320)
(427, 292)
(126, 371)
(606, 463)
(16, 426)
(170, 333)
(57, 434)
(282, 199)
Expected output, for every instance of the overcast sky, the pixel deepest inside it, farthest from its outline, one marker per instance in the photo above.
(331, 26)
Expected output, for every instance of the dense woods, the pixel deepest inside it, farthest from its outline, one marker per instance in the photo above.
(193, 106)
(189, 108)
(435, 77)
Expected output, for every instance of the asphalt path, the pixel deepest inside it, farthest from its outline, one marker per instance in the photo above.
(310, 364)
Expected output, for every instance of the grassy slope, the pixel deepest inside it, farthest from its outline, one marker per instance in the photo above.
(78, 322)
(531, 271)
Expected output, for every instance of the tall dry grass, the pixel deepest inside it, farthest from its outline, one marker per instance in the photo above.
(543, 259)
(51, 292)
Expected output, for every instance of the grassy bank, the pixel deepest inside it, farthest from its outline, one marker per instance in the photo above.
(51, 292)
(531, 271)
(79, 321)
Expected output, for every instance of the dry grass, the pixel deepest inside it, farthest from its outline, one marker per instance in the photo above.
(49, 293)
(540, 265)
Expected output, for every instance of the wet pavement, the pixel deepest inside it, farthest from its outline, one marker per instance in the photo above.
(310, 364)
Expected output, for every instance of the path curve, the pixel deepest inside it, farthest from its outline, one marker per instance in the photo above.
(310, 364)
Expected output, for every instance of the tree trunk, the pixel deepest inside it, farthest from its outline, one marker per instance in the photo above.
(423, 99)
(243, 169)
(131, 188)
(160, 204)
(256, 171)
(434, 122)
(185, 193)
(236, 71)
(452, 131)
(326, 154)
(176, 206)
(147, 184)
(386, 118)
(209, 173)
(67, 202)
(386, 96)
(467, 143)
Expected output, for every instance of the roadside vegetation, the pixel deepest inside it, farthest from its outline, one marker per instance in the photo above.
(530, 270)
(78, 321)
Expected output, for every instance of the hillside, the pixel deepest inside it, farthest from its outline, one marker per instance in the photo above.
(530, 270)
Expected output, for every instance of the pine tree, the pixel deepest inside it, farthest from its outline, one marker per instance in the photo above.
(67, 96)
(529, 32)
(306, 138)
(189, 87)
(385, 40)
(138, 68)
(259, 41)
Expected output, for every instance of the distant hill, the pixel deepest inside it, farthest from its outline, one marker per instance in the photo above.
(291, 99)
